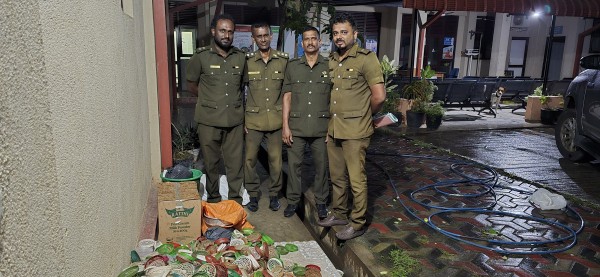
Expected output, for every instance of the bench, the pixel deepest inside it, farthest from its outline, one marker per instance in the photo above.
(517, 90)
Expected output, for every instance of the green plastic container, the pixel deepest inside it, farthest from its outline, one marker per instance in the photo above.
(196, 174)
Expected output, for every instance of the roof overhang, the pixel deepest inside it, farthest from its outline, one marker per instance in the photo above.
(578, 8)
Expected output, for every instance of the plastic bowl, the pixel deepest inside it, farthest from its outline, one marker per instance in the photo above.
(196, 174)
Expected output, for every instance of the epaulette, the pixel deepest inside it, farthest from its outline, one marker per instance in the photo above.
(282, 54)
(249, 54)
(295, 59)
(201, 49)
(364, 51)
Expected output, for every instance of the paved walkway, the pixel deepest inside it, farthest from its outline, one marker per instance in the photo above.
(393, 176)
(393, 227)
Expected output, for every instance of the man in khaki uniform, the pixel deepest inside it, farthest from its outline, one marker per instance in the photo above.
(215, 73)
(357, 93)
(307, 87)
(266, 67)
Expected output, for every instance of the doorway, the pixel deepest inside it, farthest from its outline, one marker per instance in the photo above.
(556, 58)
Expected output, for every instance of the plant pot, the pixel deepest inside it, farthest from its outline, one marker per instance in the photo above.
(549, 116)
(433, 122)
(414, 119)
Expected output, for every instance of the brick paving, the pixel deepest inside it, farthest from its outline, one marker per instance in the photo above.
(392, 226)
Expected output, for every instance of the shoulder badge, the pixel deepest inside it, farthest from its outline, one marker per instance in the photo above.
(201, 49)
(283, 54)
(364, 51)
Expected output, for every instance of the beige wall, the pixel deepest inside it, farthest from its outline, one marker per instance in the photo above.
(75, 143)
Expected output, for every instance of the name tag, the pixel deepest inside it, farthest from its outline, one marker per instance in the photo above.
(350, 69)
(253, 72)
(215, 66)
(236, 66)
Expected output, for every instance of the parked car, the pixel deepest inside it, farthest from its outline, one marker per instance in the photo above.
(577, 131)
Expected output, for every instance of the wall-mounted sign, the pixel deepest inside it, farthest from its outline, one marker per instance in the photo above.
(558, 30)
(448, 41)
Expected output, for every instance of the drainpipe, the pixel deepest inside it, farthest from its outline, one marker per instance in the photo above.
(162, 79)
(422, 38)
(579, 48)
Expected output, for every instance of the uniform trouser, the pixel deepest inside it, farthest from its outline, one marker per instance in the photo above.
(274, 149)
(295, 154)
(229, 140)
(347, 161)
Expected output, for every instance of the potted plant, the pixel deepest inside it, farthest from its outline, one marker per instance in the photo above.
(390, 105)
(434, 113)
(548, 114)
(420, 92)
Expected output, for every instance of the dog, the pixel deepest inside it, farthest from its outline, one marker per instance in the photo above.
(496, 96)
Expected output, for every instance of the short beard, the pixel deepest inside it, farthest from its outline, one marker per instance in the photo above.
(221, 45)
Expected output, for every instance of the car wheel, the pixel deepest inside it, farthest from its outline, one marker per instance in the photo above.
(565, 133)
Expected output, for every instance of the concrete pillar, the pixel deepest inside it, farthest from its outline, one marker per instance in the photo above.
(500, 45)
(397, 35)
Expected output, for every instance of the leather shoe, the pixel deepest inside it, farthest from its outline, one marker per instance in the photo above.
(322, 211)
(331, 220)
(290, 210)
(253, 204)
(349, 233)
(274, 203)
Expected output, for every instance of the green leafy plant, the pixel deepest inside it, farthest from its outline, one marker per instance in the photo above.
(427, 72)
(435, 109)
(421, 92)
(389, 68)
(402, 263)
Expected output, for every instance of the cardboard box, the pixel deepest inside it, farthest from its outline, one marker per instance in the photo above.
(179, 212)
(534, 106)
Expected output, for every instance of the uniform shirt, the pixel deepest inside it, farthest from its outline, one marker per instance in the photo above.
(310, 89)
(220, 81)
(350, 105)
(264, 100)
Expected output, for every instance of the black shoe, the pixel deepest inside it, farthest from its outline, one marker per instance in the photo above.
(274, 203)
(322, 211)
(290, 210)
(331, 220)
(253, 204)
(349, 233)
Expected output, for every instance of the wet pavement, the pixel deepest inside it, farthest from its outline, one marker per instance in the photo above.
(391, 225)
(524, 155)
(530, 154)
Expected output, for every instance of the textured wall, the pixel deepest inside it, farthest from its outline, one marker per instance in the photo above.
(74, 136)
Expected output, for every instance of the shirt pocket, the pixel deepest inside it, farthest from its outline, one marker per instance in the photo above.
(255, 81)
(298, 86)
(324, 114)
(352, 114)
(252, 109)
(277, 80)
(208, 104)
(349, 79)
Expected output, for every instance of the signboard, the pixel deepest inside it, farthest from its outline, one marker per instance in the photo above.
(371, 45)
(558, 30)
(448, 41)
(448, 52)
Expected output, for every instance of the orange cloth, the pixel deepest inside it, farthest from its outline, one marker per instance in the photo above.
(226, 214)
